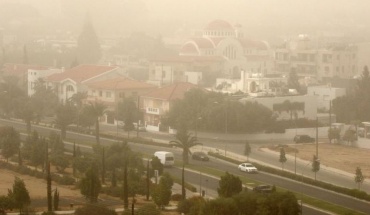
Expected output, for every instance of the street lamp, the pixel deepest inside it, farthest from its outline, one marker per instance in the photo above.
(226, 114)
(196, 126)
(302, 186)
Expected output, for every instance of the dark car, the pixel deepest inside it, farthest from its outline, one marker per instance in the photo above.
(264, 188)
(200, 156)
(303, 139)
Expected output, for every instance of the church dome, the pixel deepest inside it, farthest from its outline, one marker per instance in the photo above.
(219, 25)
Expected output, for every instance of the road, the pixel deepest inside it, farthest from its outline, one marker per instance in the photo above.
(263, 177)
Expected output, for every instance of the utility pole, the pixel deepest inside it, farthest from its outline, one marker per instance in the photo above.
(317, 137)
(330, 119)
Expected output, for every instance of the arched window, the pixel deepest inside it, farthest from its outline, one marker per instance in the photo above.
(70, 88)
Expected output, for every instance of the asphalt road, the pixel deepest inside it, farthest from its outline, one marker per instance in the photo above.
(264, 178)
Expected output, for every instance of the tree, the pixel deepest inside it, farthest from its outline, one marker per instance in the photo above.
(9, 141)
(185, 141)
(334, 134)
(65, 115)
(19, 194)
(291, 107)
(38, 152)
(157, 165)
(88, 47)
(220, 206)
(77, 101)
(128, 112)
(229, 185)
(161, 193)
(247, 150)
(48, 186)
(44, 100)
(6, 203)
(60, 161)
(93, 209)
(56, 199)
(282, 158)
(315, 164)
(96, 110)
(359, 177)
(90, 185)
(148, 209)
(26, 110)
(350, 136)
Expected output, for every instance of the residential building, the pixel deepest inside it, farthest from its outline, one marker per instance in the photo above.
(252, 83)
(113, 91)
(220, 50)
(310, 58)
(76, 79)
(157, 102)
(20, 71)
(36, 75)
(325, 94)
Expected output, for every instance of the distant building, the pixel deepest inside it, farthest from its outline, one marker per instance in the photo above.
(219, 51)
(114, 90)
(325, 94)
(36, 75)
(20, 71)
(309, 104)
(74, 80)
(310, 59)
(157, 102)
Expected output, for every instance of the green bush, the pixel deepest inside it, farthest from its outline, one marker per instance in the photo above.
(94, 210)
(148, 209)
(176, 197)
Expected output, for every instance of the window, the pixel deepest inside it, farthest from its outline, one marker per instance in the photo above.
(121, 95)
(108, 94)
(70, 88)
(100, 93)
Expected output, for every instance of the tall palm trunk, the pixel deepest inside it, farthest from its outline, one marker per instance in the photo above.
(185, 157)
(28, 125)
(97, 135)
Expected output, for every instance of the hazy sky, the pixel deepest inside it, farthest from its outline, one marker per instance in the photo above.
(165, 16)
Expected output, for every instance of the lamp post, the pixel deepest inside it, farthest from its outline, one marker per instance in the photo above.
(196, 126)
(302, 185)
(226, 114)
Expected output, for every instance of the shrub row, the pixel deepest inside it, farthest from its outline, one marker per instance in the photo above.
(350, 192)
(24, 170)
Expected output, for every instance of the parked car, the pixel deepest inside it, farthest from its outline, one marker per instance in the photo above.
(264, 188)
(247, 167)
(303, 139)
(200, 156)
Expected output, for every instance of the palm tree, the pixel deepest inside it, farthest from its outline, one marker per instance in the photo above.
(65, 115)
(185, 141)
(77, 100)
(96, 110)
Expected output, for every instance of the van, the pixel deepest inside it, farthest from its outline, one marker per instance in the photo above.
(166, 158)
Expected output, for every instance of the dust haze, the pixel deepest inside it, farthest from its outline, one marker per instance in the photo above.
(265, 19)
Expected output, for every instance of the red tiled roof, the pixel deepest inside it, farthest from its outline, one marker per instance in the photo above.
(19, 69)
(219, 25)
(171, 92)
(246, 43)
(203, 43)
(81, 73)
(189, 48)
(122, 83)
(188, 59)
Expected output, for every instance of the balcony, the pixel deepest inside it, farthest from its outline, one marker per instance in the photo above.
(152, 110)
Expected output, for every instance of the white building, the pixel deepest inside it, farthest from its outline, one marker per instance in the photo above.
(309, 105)
(34, 75)
(325, 94)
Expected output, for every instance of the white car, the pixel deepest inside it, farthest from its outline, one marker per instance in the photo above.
(247, 167)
